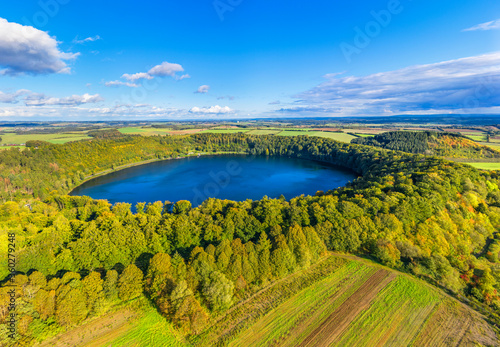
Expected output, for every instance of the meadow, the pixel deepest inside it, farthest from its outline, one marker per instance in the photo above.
(18, 139)
(486, 166)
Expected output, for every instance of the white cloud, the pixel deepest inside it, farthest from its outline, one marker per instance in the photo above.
(211, 110)
(74, 100)
(11, 98)
(277, 102)
(137, 76)
(203, 89)
(88, 39)
(463, 85)
(494, 24)
(165, 69)
(24, 49)
(183, 77)
(120, 83)
(161, 70)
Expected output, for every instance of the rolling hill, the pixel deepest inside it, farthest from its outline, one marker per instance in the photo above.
(342, 300)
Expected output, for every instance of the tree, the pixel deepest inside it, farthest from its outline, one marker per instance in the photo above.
(130, 283)
(159, 274)
(94, 291)
(182, 207)
(298, 245)
(71, 306)
(218, 291)
(110, 285)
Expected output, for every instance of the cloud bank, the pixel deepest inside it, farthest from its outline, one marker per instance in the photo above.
(463, 85)
(211, 110)
(74, 100)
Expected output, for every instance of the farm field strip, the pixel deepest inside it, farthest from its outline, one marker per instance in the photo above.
(328, 331)
(335, 289)
(12, 138)
(387, 320)
(486, 166)
(243, 315)
(342, 137)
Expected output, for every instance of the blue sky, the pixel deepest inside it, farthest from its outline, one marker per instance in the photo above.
(86, 60)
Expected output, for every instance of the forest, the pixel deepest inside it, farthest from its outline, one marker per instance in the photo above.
(449, 145)
(77, 257)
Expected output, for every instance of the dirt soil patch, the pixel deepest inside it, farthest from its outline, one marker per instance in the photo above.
(339, 320)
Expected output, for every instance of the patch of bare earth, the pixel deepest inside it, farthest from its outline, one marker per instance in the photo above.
(332, 327)
(88, 333)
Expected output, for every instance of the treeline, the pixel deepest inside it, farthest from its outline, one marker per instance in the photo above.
(23, 174)
(443, 144)
(423, 215)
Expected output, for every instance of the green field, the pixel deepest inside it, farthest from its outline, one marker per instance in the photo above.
(342, 137)
(12, 138)
(264, 132)
(486, 166)
(477, 138)
(132, 130)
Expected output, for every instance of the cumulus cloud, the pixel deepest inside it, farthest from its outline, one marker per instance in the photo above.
(12, 98)
(203, 89)
(74, 100)
(494, 24)
(88, 39)
(120, 83)
(165, 69)
(211, 110)
(137, 76)
(464, 85)
(161, 70)
(24, 49)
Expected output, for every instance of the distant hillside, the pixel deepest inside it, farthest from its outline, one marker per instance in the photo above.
(448, 145)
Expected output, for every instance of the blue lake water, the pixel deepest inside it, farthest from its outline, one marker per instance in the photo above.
(233, 177)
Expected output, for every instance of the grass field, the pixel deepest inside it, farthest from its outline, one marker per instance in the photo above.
(342, 137)
(364, 305)
(477, 137)
(12, 138)
(132, 130)
(264, 132)
(486, 166)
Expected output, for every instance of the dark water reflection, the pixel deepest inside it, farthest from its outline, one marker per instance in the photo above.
(233, 177)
